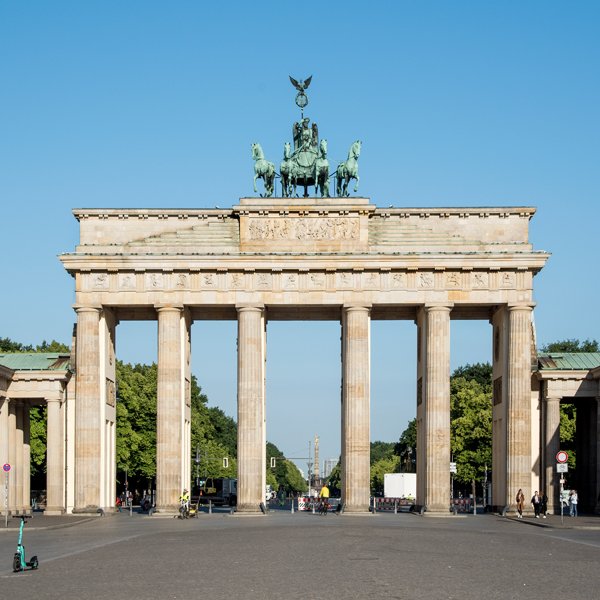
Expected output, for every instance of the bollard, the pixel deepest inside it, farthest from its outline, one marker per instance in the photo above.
(313, 508)
(292, 506)
(210, 507)
(395, 506)
(130, 510)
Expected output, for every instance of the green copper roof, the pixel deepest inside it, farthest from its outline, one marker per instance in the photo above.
(36, 361)
(575, 361)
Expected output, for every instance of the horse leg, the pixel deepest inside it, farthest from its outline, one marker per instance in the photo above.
(326, 187)
(255, 176)
(356, 186)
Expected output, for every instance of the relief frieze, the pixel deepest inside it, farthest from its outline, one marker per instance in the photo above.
(333, 228)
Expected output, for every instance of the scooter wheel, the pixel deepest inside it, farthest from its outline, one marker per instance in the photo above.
(34, 562)
(16, 563)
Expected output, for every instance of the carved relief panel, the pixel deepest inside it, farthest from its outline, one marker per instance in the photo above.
(111, 394)
(330, 228)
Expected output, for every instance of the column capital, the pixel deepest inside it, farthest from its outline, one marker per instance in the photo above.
(438, 307)
(362, 307)
(250, 307)
(524, 306)
(552, 398)
(82, 308)
(168, 308)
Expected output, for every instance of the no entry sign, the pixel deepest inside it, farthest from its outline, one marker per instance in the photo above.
(6, 467)
(562, 457)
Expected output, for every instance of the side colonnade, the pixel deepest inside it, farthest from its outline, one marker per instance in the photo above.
(95, 441)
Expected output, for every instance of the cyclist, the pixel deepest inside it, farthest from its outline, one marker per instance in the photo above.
(324, 495)
(185, 501)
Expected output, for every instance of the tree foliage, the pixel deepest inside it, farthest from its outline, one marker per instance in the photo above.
(572, 345)
(470, 428)
(381, 450)
(7, 345)
(285, 474)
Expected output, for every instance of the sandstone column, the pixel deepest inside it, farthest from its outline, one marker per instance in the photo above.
(518, 445)
(54, 473)
(597, 441)
(88, 416)
(26, 471)
(552, 448)
(169, 408)
(12, 456)
(356, 341)
(251, 408)
(19, 476)
(437, 409)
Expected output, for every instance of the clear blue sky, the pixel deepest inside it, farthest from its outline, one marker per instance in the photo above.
(155, 104)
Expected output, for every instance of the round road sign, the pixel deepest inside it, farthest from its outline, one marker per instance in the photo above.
(562, 457)
(6, 467)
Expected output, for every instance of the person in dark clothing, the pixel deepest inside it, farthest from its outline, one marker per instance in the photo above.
(544, 504)
(536, 502)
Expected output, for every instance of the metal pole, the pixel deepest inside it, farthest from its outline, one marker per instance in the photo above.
(395, 506)
(6, 502)
(205, 463)
(561, 500)
(210, 507)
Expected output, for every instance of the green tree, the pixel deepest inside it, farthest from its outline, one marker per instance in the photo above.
(37, 437)
(286, 473)
(470, 428)
(572, 345)
(407, 440)
(225, 429)
(390, 464)
(480, 372)
(334, 481)
(7, 345)
(380, 450)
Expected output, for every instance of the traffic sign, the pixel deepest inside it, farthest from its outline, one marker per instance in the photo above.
(453, 467)
(562, 457)
(562, 468)
(562, 481)
(6, 467)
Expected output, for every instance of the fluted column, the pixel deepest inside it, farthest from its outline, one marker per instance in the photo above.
(26, 471)
(437, 409)
(19, 477)
(88, 416)
(169, 410)
(54, 475)
(518, 446)
(12, 456)
(597, 466)
(356, 324)
(552, 448)
(251, 408)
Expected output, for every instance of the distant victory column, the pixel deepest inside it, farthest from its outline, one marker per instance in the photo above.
(316, 457)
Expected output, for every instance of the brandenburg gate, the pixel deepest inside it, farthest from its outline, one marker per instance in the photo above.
(269, 259)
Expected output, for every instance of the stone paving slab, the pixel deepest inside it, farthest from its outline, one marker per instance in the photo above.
(42, 522)
(591, 522)
(306, 557)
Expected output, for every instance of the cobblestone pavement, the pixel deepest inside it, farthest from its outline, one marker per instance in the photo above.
(305, 556)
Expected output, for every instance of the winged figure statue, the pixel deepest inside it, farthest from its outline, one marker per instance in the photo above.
(302, 85)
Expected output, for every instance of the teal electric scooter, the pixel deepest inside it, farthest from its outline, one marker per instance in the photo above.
(19, 563)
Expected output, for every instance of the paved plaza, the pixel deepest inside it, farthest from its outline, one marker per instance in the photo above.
(306, 556)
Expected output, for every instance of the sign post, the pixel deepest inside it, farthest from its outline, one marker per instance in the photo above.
(6, 469)
(562, 457)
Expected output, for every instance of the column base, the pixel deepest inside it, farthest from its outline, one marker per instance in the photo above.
(248, 509)
(360, 509)
(167, 509)
(54, 511)
(438, 509)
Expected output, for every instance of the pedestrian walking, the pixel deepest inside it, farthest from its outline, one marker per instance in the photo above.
(536, 503)
(574, 501)
(544, 506)
(520, 499)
